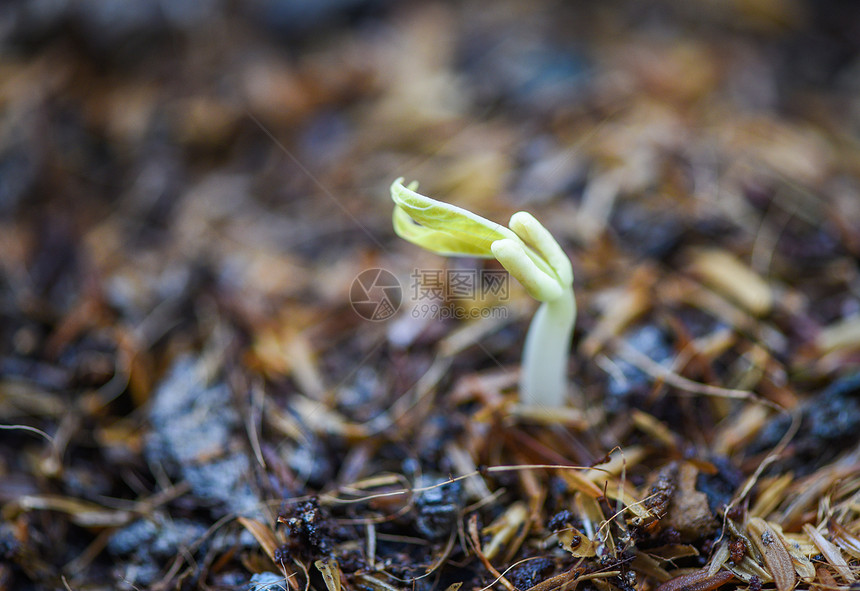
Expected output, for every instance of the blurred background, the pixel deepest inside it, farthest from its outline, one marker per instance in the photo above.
(189, 188)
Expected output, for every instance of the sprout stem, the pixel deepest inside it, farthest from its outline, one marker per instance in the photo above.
(543, 378)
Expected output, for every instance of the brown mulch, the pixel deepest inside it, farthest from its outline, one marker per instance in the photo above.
(188, 400)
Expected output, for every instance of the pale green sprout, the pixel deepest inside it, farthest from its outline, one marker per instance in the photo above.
(529, 252)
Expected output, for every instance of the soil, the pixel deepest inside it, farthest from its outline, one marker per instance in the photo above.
(202, 387)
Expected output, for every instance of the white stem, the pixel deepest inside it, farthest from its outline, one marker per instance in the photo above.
(543, 378)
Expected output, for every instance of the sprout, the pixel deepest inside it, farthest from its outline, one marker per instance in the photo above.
(529, 253)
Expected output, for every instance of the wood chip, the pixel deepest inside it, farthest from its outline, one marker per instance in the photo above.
(728, 275)
(842, 335)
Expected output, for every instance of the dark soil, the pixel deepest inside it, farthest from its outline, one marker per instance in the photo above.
(189, 399)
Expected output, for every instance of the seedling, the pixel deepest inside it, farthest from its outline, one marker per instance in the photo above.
(529, 252)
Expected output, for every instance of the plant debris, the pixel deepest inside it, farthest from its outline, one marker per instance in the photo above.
(189, 399)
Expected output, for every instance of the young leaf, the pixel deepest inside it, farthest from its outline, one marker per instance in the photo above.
(463, 226)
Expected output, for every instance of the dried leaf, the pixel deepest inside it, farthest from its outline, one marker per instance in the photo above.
(728, 275)
(579, 482)
(589, 510)
(82, 513)
(561, 581)
(375, 583)
(263, 534)
(505, 527)
(841, 335)
(771, 495)
(749, 568)
(474, 539)
(845, 539)
(697, 581)
(615, 492)
(650, 567)
(802, 565)
(653, 427)
(802, 542)
(830, 552)
(330, 572)
(322, 419)
(619, 460)
(673, 551)
(719, 558)
(569, 416)
(825, 579)
(775, 555)
(577, 543)
(621, 309)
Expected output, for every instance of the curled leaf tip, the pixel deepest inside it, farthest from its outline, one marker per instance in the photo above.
(534, 234)
(513, 257)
